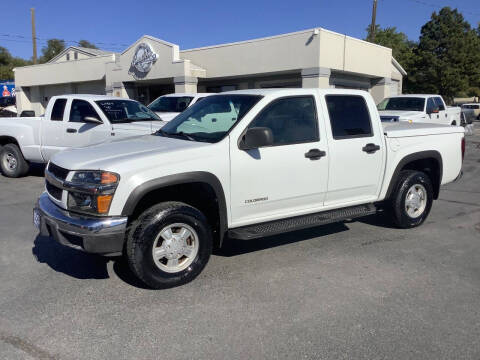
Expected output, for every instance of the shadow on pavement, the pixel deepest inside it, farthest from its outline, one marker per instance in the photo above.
(69, 261)
(122, 270)
(234, 247)
(37, 170)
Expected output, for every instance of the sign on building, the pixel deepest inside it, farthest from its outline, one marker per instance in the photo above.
(7, 88)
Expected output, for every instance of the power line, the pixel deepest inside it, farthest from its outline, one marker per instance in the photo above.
(436, 6)
(66, 40)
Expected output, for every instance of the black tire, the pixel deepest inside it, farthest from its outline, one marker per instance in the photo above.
(398, 212)
(19, 168)
(143, 233)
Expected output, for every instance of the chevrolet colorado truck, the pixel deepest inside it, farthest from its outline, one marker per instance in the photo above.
(243, 164)
(420, 109)
(170, 105)
(70, 121)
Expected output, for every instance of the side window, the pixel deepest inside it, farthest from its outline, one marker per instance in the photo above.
(439, 103)
(80, 110)
(58, 109)
(430, 105)
(292, 120)
(349, 116)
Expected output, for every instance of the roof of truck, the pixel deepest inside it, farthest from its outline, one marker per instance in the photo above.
(89, 97)
(415, 95)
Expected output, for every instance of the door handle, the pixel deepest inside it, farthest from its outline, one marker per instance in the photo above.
(371, 148)
(70, 130)
(315, 154)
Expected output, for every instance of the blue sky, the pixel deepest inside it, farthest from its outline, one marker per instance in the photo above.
(199, 23)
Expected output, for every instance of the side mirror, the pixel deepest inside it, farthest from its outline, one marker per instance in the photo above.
(255, 138)
(92, 120)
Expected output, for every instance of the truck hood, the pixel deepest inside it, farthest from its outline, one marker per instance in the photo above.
(139, 127)
(108, 156)
(166, 116)
(400, 114)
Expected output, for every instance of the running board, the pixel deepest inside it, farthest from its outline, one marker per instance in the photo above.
(301, 222)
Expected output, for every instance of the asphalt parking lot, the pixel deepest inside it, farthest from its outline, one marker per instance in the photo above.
(358, 290)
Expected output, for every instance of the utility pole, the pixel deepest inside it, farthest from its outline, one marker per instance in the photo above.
(374, 20)
(34, 36)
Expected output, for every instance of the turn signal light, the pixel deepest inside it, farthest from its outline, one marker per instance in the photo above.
(103, 203)
(109, 178)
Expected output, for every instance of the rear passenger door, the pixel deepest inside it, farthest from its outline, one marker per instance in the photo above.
(283, 179)
(356, 150)
(53, 129)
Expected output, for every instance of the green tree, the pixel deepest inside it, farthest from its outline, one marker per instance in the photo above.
(87, 44)
(53, 48)
(402, 48)
(8, 63)
(448, 56)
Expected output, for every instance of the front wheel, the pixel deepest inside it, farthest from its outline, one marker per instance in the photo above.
(12, 162)
(412, 200)
(169, 245)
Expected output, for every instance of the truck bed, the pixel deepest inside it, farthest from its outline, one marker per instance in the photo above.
(404, 128)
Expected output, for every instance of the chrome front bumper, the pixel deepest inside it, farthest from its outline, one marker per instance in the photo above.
(100, 235)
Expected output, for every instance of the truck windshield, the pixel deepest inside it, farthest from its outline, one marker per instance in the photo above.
(170, 103)
(402, 103)
(118, 111)
(210, 119)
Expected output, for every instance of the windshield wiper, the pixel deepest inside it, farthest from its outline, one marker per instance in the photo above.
(179, 134)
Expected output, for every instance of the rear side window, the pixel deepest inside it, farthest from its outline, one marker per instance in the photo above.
(58, 109)
(439, 103)
(80, 110)
(349, 116)
(291, 120)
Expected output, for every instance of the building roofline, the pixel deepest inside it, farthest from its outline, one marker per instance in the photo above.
(312, 30)
(398, 66)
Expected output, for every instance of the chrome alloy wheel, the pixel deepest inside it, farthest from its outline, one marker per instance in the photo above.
(416, 200)
(175, 247)
(9, 161)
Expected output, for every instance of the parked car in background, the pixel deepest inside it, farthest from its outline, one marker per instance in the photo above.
(419, 109)
(471, 111)
(169, 106)
(70, 121)
(246, 164)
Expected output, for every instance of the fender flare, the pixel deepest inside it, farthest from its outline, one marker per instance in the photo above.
(184, 178)
(430, 154)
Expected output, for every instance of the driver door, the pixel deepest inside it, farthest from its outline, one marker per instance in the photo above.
(80, 133)
(286, 178)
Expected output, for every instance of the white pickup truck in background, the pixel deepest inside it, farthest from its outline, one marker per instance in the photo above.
(249, 164)
(70, 121)
(169, 106)
(419, 109)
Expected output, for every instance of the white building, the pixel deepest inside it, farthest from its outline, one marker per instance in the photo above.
(152, 67)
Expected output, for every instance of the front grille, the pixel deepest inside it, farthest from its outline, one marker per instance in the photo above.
(58, 171)
(54, 191)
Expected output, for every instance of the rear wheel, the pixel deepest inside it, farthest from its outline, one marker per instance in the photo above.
(412, 200)
(169, 245)
(12, 162)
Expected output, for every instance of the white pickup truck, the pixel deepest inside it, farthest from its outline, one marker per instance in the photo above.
(70, 121)
(419, 109)
(246, 164)
(170, 105)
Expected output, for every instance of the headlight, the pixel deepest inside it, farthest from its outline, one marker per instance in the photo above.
(92, 191)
